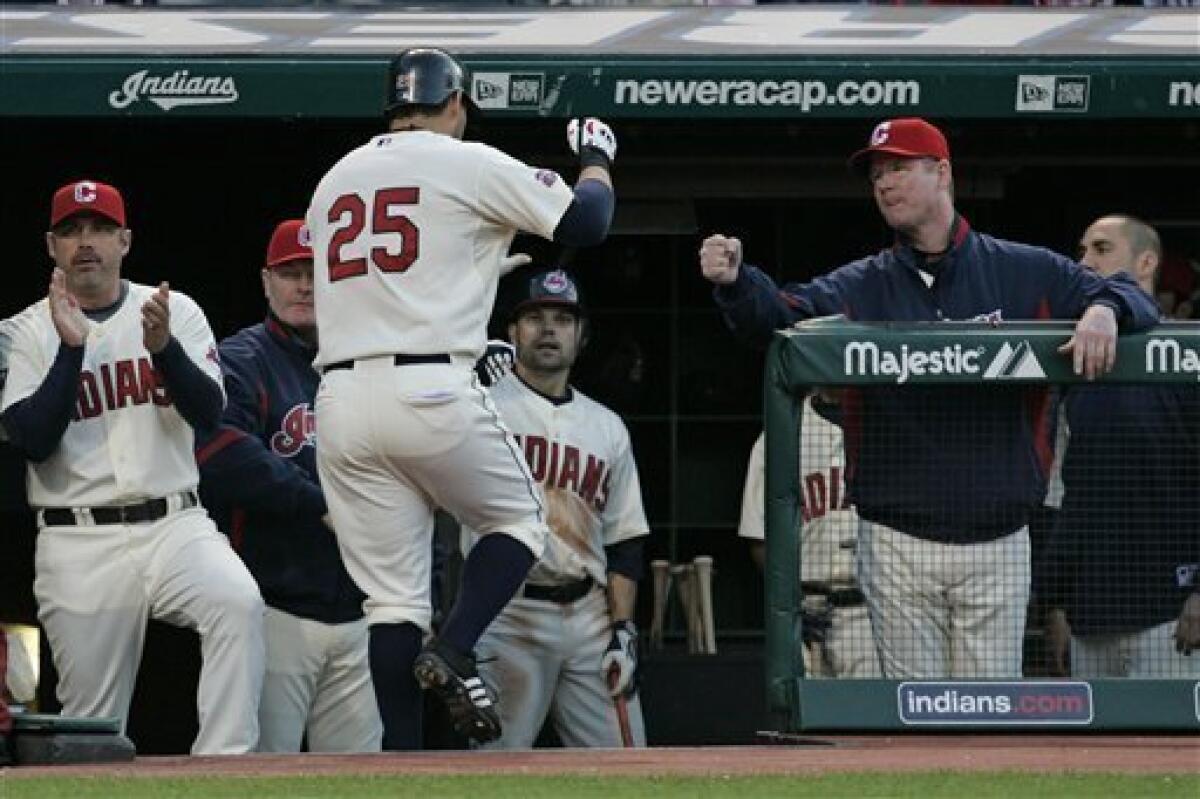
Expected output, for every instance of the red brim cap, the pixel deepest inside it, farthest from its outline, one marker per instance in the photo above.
(907, 137)
(289, 242)
(87, 196)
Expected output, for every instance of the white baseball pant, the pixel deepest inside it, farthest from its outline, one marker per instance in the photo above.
(398, 442)
(97, 586)
(318, 683)
(1145, 654)
(946, 610)
(543, 660)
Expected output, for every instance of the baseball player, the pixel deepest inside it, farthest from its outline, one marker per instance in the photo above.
(945, 569)
(409, 235)
(107, 380)
(553, 648)
(1123, 559)
(837, 625)
(259, 469)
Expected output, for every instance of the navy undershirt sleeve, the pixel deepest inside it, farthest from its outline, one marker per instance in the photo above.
(36, 424)
(197, 396)
(586, 220)
(625, 558)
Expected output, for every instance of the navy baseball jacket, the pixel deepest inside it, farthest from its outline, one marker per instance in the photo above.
(1126, 546)
(959, 465)
(258, 476)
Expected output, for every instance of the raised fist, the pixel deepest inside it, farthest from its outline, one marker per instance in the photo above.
(593, 141)
(720, 259)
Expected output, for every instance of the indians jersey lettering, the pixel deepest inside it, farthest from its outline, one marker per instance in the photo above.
(579, 453)
(829, 527)
(408, 232)
(104, 457)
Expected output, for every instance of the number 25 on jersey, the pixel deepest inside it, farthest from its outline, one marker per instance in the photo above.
(386, 216)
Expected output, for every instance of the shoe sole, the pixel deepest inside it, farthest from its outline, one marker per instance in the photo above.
(433, 674)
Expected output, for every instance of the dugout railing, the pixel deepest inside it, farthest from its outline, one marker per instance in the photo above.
(836, 353)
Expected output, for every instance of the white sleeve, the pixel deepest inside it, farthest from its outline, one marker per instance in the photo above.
(624, 515)
(27, 364)
(190, 327)
(516, 195)
(751, 524)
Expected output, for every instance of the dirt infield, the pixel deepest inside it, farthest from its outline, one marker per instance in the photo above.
(1131, 754)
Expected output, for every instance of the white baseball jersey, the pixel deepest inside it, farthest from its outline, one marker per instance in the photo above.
(829, 527)
(408, 232)
(580, 455)
(126, 441)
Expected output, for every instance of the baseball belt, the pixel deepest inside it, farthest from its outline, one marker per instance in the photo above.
(838, 598)
(563, 594)
(399, 359)
(149, 511)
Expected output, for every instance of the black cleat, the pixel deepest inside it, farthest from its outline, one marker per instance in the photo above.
(454, 678)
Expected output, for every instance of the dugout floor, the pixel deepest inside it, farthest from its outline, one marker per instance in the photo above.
(1174, 754)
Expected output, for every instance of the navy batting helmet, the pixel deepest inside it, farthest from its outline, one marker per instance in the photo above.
(554, 287)
(425, 76)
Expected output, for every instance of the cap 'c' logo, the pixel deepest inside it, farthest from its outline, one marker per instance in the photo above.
(85, 192)
(881, 133)
(303, 237)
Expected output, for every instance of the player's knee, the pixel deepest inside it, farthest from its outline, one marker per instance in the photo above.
(241, 600)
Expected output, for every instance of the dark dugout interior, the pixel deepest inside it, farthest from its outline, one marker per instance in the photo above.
(203, 196)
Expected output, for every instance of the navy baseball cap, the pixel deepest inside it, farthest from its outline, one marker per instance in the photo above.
(553, 287)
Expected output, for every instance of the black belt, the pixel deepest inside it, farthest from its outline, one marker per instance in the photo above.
(563, 594)
(149, 511)
(842, 598)
(399, 359)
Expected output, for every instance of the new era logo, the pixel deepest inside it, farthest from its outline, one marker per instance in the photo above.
(1054, 93)
(508, 90)
(1015, 363)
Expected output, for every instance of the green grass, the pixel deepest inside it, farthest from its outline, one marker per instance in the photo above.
(928, 785)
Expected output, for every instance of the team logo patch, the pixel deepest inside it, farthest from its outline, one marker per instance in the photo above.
(213, 355)
(558, 283)
(546, 177)
(297, 430)
(303, 237)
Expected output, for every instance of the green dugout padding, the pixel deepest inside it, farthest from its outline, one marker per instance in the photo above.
(833, 352)
(644, 87)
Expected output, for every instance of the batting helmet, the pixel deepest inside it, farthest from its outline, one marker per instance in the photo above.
(553, 287)
(425, 76)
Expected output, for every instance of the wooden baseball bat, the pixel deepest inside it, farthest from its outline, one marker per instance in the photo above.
(660, 570)
(622, 709)
(695, 623)
(683, 585)
(704, 575)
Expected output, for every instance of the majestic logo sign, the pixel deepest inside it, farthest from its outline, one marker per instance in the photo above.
(1059, 93)
(866, 358)
(177, 89)
(995, 703)
(508, 90)
(1167, 356)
